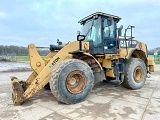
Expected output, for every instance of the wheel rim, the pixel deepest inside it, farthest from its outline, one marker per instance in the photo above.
(138, 74)
(76, 82)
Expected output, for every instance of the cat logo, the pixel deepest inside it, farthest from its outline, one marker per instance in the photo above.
(127, 43)
(124, 43)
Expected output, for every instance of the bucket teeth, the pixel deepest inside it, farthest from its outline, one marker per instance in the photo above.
(12, 78)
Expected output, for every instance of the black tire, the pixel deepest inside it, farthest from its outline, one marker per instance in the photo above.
(61, 81)
(135, 74)
(47, 86)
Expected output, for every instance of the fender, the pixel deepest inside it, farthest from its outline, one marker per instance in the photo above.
(97, 69)
(137, 54)
(132, 52)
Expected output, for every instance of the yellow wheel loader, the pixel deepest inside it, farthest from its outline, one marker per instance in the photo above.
(99, 53)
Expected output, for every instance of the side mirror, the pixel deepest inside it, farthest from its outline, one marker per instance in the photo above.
(80, 37)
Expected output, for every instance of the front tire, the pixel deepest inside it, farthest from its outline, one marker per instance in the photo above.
(71, 81)
(135, 74)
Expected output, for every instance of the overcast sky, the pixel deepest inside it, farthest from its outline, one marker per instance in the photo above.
(43, 21)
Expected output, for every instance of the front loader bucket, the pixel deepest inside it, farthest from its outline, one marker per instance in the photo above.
(18, 90)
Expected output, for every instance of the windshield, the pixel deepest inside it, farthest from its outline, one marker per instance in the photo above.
(87, 25)
(92, 30)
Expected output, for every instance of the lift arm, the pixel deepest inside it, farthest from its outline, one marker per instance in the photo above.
(41, 72)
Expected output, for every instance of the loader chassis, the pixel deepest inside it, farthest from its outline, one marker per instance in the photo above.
(72, 69)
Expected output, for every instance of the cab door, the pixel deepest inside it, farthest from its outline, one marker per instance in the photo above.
(109, 36)
(95, 37)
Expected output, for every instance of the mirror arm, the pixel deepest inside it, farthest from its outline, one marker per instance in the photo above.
(80, 45)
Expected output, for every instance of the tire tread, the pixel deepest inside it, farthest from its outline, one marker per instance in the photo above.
(55, 75)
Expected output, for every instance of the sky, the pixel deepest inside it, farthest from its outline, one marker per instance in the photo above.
(42, 22)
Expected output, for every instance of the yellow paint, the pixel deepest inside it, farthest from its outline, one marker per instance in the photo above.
(111, 56)
(85, 46)
(36, 62)
(151, 64)
(151, 61)
(43, 76)
(110, 73)
(107, 63)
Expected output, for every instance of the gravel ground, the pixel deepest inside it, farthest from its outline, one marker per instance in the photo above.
(106, 102)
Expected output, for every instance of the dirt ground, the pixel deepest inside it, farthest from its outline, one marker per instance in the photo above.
(107, 101)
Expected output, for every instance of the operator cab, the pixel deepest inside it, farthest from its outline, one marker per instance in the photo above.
(100, 29)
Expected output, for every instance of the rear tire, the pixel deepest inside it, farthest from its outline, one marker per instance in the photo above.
(135, 74)
(71, 81)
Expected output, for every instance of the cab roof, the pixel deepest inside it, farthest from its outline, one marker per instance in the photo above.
(100, 14)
